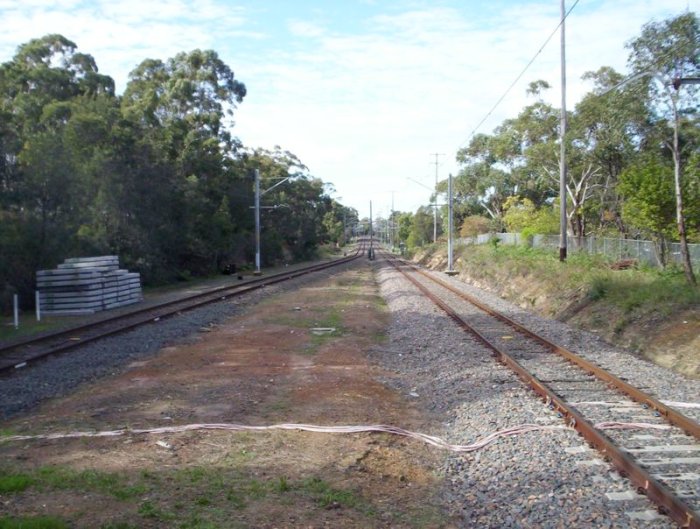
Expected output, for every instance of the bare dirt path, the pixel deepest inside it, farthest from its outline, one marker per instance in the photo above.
(263, 368)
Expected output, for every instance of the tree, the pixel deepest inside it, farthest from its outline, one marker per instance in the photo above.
(612, 121)
(663, 52)
(421, 228)
(179, 109)
(649, 203)
(42, 171)
(474, 225)
(522, 216)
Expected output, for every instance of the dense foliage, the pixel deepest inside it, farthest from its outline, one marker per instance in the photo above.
(633, 152)
(153, 176)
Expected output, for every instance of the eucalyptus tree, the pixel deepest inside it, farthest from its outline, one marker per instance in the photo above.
(612, 122)
(421, 227)
(516, 159)
(183, 109)
(666, 51)
(43, 188)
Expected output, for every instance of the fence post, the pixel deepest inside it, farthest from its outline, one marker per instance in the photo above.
(15, 306)
(37, 300)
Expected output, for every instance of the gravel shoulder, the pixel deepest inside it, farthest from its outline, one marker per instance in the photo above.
(541, 479)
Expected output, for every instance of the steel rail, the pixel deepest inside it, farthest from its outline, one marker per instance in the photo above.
(667, 501)
(12, 356)
(672, 416)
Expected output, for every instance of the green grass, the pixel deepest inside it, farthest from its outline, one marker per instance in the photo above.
(198, 497)
(644, 289)
(325, 495)
(61, 478)
(28, 325)
(32, 522)
(14, 482)
(88, 480)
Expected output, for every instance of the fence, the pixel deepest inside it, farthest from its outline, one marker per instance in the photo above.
(614, 249)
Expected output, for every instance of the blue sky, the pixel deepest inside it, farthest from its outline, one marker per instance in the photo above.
(362, 91)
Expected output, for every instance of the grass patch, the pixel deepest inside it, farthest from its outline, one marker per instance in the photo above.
(60, 478)
(198, 497)
(150, 510)
(14, 482)
(643, 289)
(28, 326)
(112, 484)
(118, 525)
(33, 522)
(326, 496)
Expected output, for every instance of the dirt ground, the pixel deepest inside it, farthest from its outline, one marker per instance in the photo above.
(262, 368)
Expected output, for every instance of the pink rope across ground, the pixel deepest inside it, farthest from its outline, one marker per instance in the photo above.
(380, 428)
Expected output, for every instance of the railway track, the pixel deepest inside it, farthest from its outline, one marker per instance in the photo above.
(20, 354)
(663, 461)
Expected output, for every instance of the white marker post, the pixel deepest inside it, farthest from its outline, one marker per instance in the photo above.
(37, 300)
(15, 303)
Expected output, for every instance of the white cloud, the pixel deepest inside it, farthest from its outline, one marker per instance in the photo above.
(122, 34)
(362, 108)
(305, 28)
(364, 111)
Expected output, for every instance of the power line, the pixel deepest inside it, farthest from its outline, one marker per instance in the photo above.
(500, 100)
(639, 75)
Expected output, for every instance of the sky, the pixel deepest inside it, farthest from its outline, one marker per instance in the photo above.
(364, 92)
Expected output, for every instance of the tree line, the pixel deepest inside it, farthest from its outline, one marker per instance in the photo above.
(153, 176)
(633, 155)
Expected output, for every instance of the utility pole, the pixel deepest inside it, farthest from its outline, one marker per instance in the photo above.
(450, 271)
(437, 155)
(258, 194)
(562, 163)
(257, 223)
(371, 233)
(391, 225)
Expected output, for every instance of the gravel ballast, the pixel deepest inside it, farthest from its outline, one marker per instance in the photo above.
(539, 479)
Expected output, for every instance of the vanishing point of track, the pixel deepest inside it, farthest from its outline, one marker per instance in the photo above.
(19, 354)
(559, 377)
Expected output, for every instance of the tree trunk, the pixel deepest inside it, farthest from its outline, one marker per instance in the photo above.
(685, 254)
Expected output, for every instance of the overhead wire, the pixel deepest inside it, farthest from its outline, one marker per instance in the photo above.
(500, 100)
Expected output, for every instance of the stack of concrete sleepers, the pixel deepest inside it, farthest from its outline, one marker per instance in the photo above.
(85, 285)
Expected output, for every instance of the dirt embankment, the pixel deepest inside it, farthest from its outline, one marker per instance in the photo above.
(670, 340)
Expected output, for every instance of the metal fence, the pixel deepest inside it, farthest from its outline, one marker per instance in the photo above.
(614, 249)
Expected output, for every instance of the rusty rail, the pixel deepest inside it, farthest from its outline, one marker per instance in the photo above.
(667, 501)
(19, 353)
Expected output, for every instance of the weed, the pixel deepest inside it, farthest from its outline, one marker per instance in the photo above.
(338, 497)
(148, 510)
(598, 289)
(108, 483)
(282, 485)
(14, 483)
(256, 489)
(193, 475)
(32, 522)
(620, 326)
(235, 499)
(118, 525)
(327, 496)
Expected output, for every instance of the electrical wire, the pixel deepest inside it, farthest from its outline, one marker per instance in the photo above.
(375, 428)
(500, 100)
